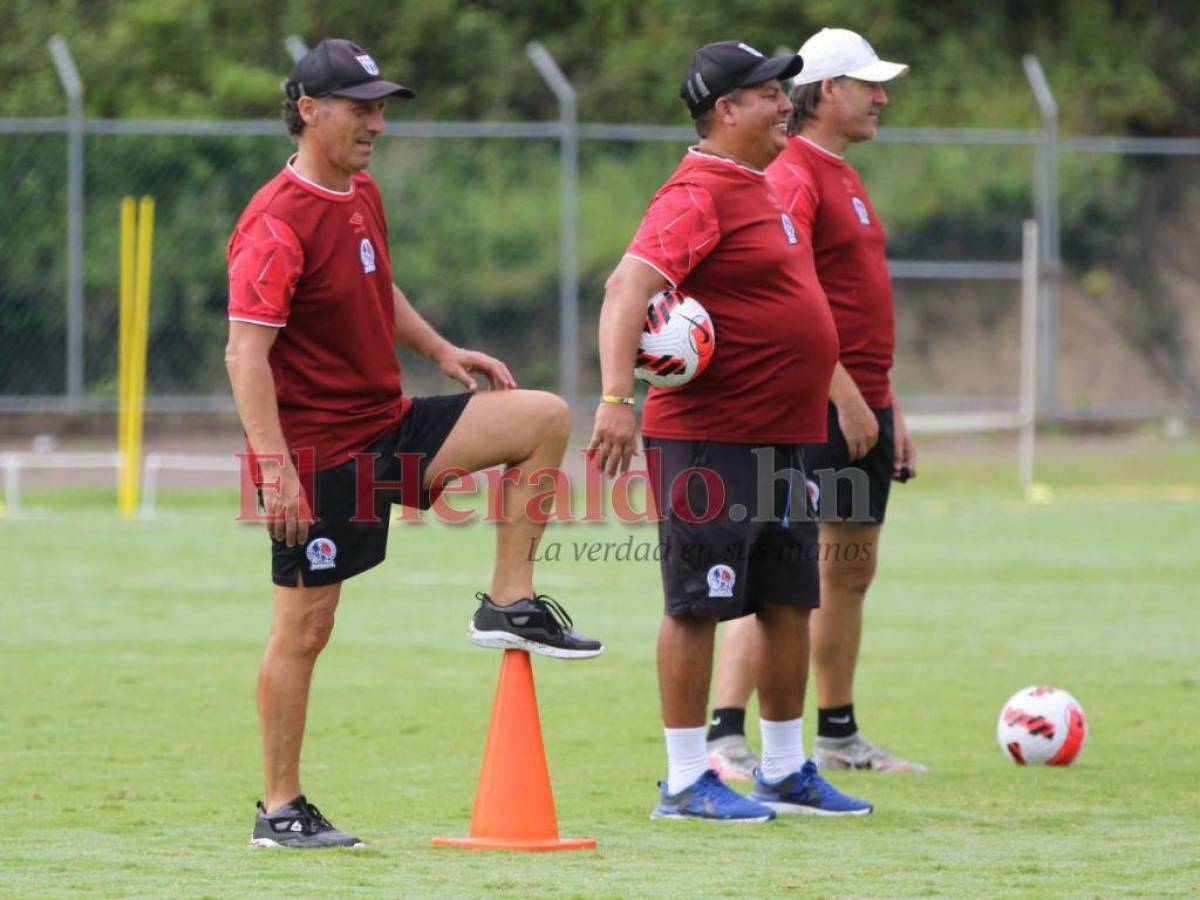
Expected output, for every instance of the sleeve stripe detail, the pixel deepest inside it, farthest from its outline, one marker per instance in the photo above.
(646, 262)
(258, 322)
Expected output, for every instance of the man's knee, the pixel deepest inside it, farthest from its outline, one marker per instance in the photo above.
(849, 578)
(554, 416)
(306, 633)
(313, 633)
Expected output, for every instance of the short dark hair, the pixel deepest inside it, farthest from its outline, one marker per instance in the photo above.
(292, 118)
(704, 121)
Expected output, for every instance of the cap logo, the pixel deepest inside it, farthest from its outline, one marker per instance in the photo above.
(368, 64)
(750, 49)
(701, 86)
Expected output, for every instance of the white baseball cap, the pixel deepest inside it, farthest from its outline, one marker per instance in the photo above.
(835, 51)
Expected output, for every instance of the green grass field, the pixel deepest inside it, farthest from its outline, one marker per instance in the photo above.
(128, 739)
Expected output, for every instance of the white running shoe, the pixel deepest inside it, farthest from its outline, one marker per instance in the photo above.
(856, 752)
(731, 758)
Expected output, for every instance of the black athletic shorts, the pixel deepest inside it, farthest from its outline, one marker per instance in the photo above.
(338, 548)
(860, 492)
(726, 551)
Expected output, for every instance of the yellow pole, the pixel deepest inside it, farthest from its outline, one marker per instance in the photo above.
(139, 336)
(128, 255)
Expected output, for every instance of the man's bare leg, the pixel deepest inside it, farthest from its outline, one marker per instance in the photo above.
(303, 621)
(736, 663)
(849, 551)
(782, 660)
(788, 783)
(685, 653)
(849, 554)
(527, 430)
(728, 751)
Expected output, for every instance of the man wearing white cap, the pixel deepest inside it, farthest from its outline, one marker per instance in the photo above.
(836, 102)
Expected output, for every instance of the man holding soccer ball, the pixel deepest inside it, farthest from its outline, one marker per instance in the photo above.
(717, 232)
(836, 100)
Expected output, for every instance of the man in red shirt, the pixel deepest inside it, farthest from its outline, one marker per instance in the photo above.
(715, 446)
(314, 318)
(836, 100)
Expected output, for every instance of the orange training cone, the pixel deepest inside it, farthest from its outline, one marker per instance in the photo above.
(514, 805)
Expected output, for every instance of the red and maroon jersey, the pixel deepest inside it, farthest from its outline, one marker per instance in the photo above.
(314, 263)
(717, 233)
(828, 202)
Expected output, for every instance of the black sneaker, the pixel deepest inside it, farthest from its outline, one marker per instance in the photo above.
(299, 824)
(539, 625)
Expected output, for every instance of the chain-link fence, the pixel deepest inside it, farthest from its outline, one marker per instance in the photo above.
(475, 212)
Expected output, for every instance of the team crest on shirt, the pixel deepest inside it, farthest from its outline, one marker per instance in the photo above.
(368, 64)
(720, 581)
(367, 254)
(788, 228)
(861, 209)
(322, 554)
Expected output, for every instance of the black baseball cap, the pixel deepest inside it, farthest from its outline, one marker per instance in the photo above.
(717, 69)
(341, 68)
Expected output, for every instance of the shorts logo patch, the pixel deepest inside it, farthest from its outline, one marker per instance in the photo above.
(788, 228)
(861, 209)
(367, 254)
(720, 581)
(322, 554)
(368, 64)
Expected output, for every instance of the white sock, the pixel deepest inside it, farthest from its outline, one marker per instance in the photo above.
(686, 757)
(782, 747)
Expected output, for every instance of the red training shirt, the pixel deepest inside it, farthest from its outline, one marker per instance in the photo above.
(314, 263)
(717, 233)
(829, 204)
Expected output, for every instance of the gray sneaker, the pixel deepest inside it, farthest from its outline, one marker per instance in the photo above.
(731, 758)
(856, 752)
(298, 825)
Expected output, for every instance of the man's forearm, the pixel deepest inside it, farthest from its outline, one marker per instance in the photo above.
(842, 389)
(253, 386)
(413, 332)
(621, 320)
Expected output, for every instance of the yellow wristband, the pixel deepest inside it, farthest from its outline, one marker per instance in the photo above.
(614, 398)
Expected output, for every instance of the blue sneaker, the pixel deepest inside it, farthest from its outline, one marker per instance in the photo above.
(709, 798)
(806, 792)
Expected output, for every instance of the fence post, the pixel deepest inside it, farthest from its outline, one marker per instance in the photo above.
(68, 74)
(295, 47)
(1029, 353)
(568, 337)
(1046, 210)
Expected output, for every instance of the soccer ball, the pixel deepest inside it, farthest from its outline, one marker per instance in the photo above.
(1042, 725)
(677, 340)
